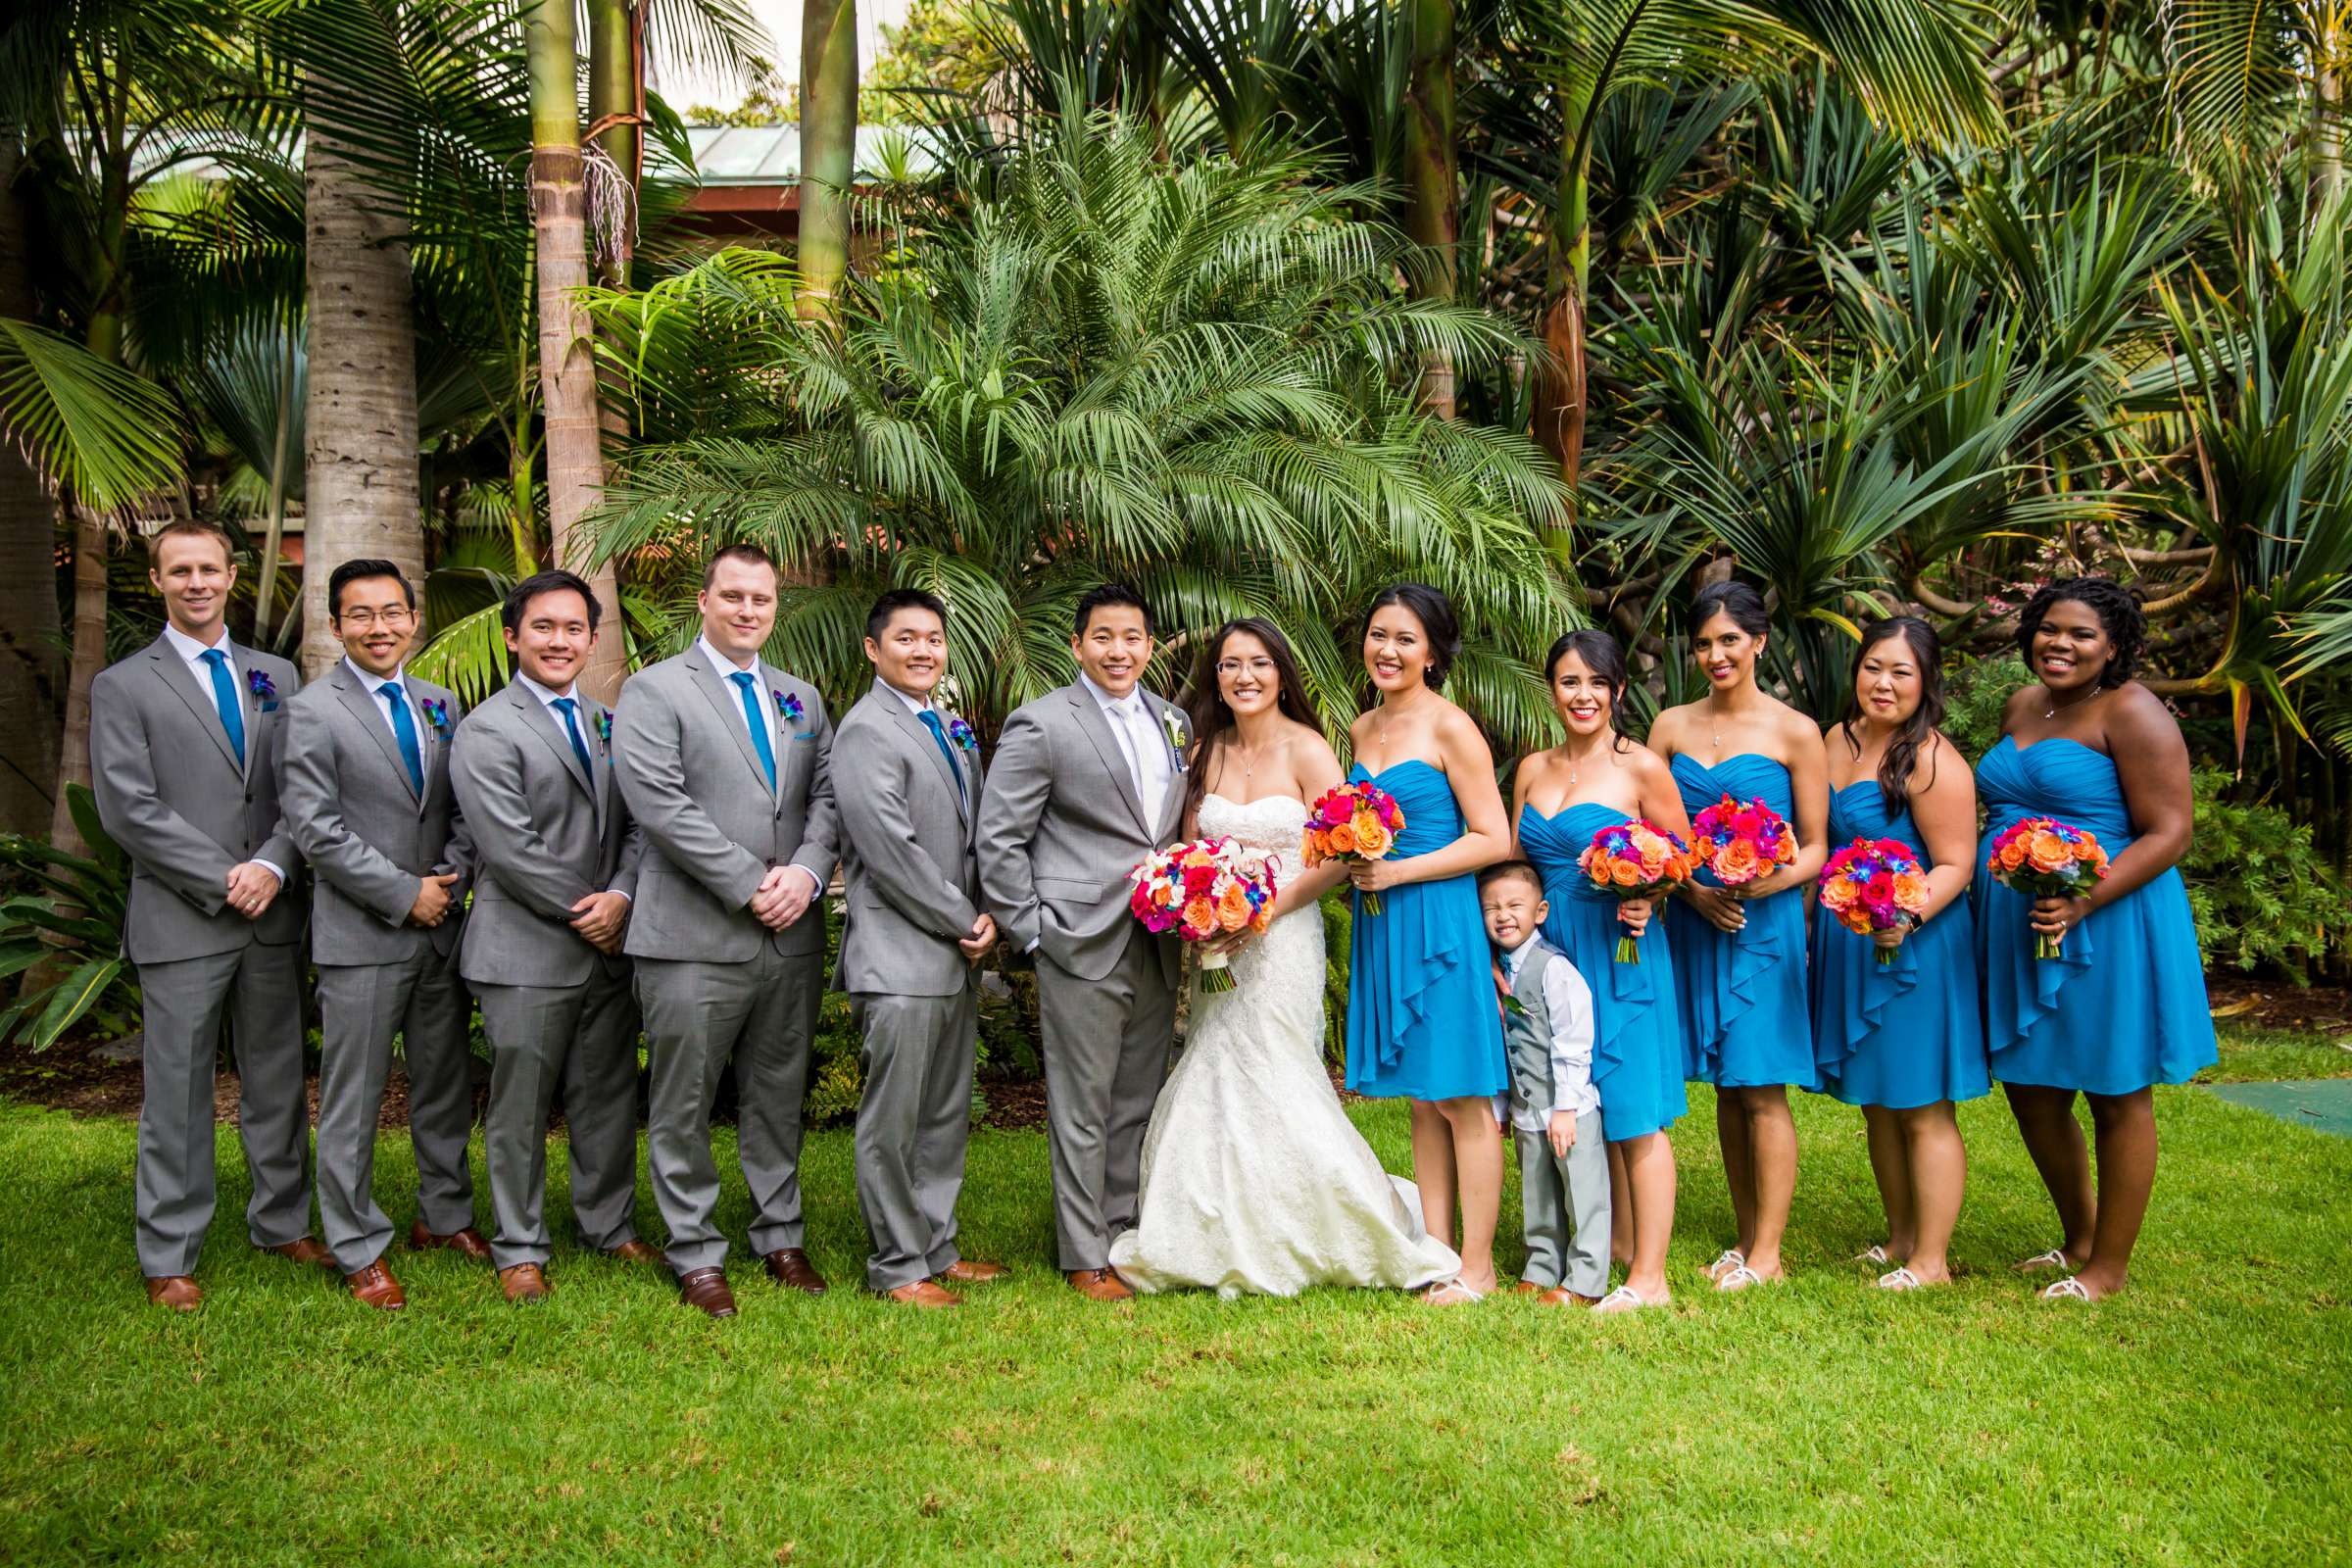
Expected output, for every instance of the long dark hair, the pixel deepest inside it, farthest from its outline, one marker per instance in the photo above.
(1435, 612)
(2118, 609)
(1602, 656)
(1917, 731)
(1204, 705)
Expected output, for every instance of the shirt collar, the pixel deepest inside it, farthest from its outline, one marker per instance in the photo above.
(373, 684)
(188, 648)
(1130, 703)
(914, 704)
(727, 669)
(1515, 958)
(547, 698)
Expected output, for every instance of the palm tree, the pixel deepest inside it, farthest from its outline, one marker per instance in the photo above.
(1195, 374)
(31, 674)
(828, 147)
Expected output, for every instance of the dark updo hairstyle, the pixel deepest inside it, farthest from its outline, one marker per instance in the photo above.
(2118, 609)
(1604, 656)
(1737, 599)
(1435, 612)
(1917, 731)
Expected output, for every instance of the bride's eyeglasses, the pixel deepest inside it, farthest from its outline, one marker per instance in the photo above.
(1227, 668)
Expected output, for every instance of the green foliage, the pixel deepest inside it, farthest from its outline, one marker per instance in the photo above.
(1339, 926)
(2263, 896)
(1976, 690)
(61, 932)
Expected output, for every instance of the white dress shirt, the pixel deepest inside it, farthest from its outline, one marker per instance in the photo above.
(1131, 719)
(1568, 1003)
(762, 703)
(191, 654)
(372, 684)
(548, 699)
(918, 705)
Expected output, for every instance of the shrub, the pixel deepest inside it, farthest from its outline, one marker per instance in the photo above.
(60, 928)
(2262, 894)
(1977, 690)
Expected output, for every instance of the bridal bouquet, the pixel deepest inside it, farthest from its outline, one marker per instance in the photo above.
(1871, 885)
(1637, 859)
(1742, 841)
(1202, 891)
(1353, 822)
(2043, 859)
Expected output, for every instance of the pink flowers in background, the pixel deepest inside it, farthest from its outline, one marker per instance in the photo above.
(1742, 841)
(1353, 822)
(1203, 890)
(2043, 858)
(1871, 884)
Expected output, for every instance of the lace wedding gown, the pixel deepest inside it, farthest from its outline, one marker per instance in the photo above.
(1255, 1181)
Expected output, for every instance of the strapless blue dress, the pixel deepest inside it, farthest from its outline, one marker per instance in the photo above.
(1905, 1034)
(2123, 1005)
(1422, 1017)
(1745, 1018)
(1637, 1031)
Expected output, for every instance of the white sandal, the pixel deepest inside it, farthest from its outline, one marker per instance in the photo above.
(1899, 1279)
(2055, 1257)
(1624, 1298)
(1738, 1278)
(1730, 1259)
(1873, 1254)
(2068, 1289)
(1463, 1295)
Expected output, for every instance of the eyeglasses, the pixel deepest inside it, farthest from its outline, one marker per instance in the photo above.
(391, 620)
(1229, 667)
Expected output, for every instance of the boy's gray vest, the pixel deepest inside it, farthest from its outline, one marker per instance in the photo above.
(1527, 1033)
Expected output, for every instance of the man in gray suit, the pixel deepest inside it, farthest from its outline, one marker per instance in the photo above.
(914, 930)
(368, 801)
(555, 863)
(1086, 782)
(184, 742)
(724, 761)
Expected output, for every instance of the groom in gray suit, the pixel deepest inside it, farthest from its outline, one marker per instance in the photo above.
(368, 801)
(724, 761)
(1088, 780)
(184, 742)
(913, 931)
(557, 861)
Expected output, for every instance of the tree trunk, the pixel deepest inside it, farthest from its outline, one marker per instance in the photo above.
(575, 459)
(1560, 413)
(31, 639)
(360, 453)
(828, 148)
(615, 116)
(90, 538)
(1432, 187)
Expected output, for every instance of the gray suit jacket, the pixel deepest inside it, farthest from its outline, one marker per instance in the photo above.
(696, 788)
(907, 859)
(171, 794)
(1062, 826)
(546, 834)
(367, 834)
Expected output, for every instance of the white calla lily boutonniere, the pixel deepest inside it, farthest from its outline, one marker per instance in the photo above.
(1171, 724)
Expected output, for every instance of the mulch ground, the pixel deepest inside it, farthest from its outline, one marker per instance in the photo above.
(2327, 1009)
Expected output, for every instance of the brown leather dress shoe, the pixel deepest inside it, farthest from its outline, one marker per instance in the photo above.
(634, 1250)
(374, 1286)
(525, 1282)
(706, 1290)
(1100, 1285)
(1527, 1288)
(969, 1271)
(790, 1267)
(1562, 1296)
(466, 1238)
(175, 1291)
(304, 1250)
(922, 1292)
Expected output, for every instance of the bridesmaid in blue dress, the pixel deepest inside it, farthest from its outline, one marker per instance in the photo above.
(1422, 1019)
(1904, 1040)
(2122, 1006)
(1598, 778)
(1739, 959)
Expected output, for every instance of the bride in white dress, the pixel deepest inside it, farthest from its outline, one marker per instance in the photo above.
(1253, 1178)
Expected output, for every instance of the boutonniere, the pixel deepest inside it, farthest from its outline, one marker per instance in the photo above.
(1512, 1006)
(1171, 724)
(962, 734)
(604, 726)
(258, 682)
(436, 712)
(789, 706)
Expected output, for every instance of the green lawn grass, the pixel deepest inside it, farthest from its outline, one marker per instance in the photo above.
(2198, 1418)
(2251, 1052)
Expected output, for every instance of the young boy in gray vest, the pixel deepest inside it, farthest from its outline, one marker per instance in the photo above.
(1551, 1106)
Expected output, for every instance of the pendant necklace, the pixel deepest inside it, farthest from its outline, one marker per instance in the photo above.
(2056, 707)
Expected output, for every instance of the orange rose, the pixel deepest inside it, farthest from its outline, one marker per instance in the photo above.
(1857, 921)
(2088, 851)
(1200, 919)
(1343, 839)
(1233, 908)
(1838, 897)
(1910, 891)
(2048, 851)
(1736, 861)
(1624, 873)
(1198, 858)
(1372, 839)
(2013, 855)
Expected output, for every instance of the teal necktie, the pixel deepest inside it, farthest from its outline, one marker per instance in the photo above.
(579, 747)
(225, 698)
(404, 731)
(939, 734)
(758, 720)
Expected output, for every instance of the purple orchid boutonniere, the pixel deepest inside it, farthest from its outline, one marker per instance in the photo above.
(436, 712)
(793, 713)
(962, 734)
(258, 682)
(604, 726)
